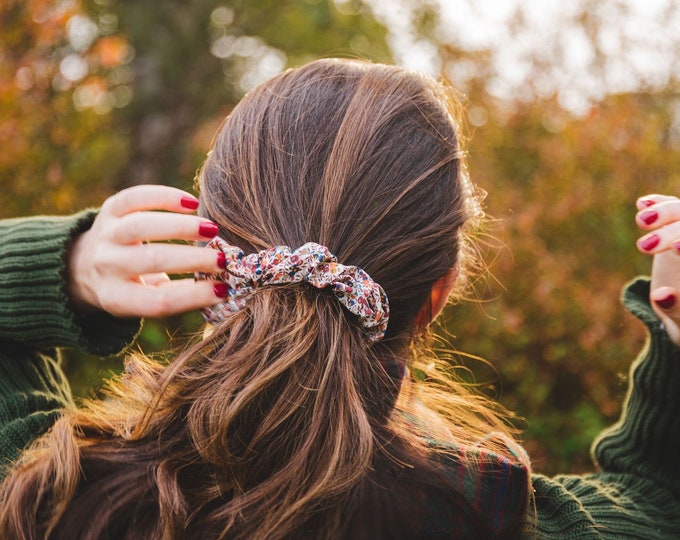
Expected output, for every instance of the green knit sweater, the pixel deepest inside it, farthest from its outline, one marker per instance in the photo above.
(635, 494)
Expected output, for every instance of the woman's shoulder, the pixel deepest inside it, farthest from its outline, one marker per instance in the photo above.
(493, 484)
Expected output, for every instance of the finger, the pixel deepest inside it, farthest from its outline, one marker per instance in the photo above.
(146, 259)
(659, 214)
(154, 279)
(149, 197)
(662, 239)
(650, 200)
(148, 226)
(171, 298)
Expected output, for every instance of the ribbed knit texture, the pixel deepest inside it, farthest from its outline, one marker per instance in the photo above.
(35, 309)
(646, 441)
(35, 319)
(635, 494)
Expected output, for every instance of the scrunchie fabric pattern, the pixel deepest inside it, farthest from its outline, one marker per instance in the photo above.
(311, 263)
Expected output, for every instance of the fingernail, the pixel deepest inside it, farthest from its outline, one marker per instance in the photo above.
(648, 216)
(666, 303)
(222, 260)
(221, 290)
(676, 246)
(649, 242)
(208, 229)
(189, 202)
(647, 202)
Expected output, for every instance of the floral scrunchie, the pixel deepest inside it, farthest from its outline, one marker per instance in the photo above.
(311, 263)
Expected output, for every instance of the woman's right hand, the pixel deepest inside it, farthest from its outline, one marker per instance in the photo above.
(113, 266)
(659, 215)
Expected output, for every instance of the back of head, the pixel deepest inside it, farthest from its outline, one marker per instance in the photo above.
(278, 424)
(365, 160)
(359, 157)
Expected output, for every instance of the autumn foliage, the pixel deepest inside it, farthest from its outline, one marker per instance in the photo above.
(563, 191)
(95, 96)
(58, 153)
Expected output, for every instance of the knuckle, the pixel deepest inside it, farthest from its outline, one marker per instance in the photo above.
(125, 229)
(108, 204)
(161, 304)
(124, 197)
(118, 203)
(159, 311)
(152, 259)
(100, 261)
(117, 231)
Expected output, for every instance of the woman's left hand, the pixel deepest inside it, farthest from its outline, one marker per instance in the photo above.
(119, 266)
(659, 215)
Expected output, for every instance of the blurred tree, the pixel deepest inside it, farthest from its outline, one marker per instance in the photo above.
(98, 95)
(563, 159)
(194, 60)
(563, 191)
(102, 94)
(115, 93)
(57, 153)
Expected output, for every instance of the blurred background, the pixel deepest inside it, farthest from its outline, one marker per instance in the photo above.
(572, 110)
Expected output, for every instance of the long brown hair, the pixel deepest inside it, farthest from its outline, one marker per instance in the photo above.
(284, 421)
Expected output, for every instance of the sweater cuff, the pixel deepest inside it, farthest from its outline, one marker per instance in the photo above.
(34, 307)
(646, 440)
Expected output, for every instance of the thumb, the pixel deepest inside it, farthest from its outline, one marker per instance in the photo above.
(666, 304)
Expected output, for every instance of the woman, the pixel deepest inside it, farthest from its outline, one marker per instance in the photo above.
(335, 203)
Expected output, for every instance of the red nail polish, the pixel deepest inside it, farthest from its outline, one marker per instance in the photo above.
(648, 243)
(666, 303)
(222, 260)
(221, 290)
(647, 202)
(676, 246)
(649, 216)
(189, 202)
(208, 229)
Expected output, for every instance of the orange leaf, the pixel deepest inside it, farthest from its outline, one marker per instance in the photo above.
(111, 51)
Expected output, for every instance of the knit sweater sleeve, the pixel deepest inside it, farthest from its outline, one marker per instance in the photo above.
(636, 492)
(34, 308)
(35, 320)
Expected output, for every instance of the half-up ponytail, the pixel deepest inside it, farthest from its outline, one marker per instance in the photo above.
(286, 416)
(284, 421)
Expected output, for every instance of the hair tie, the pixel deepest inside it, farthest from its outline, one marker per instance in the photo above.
(311, 263)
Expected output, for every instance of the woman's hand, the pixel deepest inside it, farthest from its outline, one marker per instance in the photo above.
(113, 268)
(660, 216)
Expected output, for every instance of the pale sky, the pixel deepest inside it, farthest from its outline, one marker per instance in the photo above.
(639, 41)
